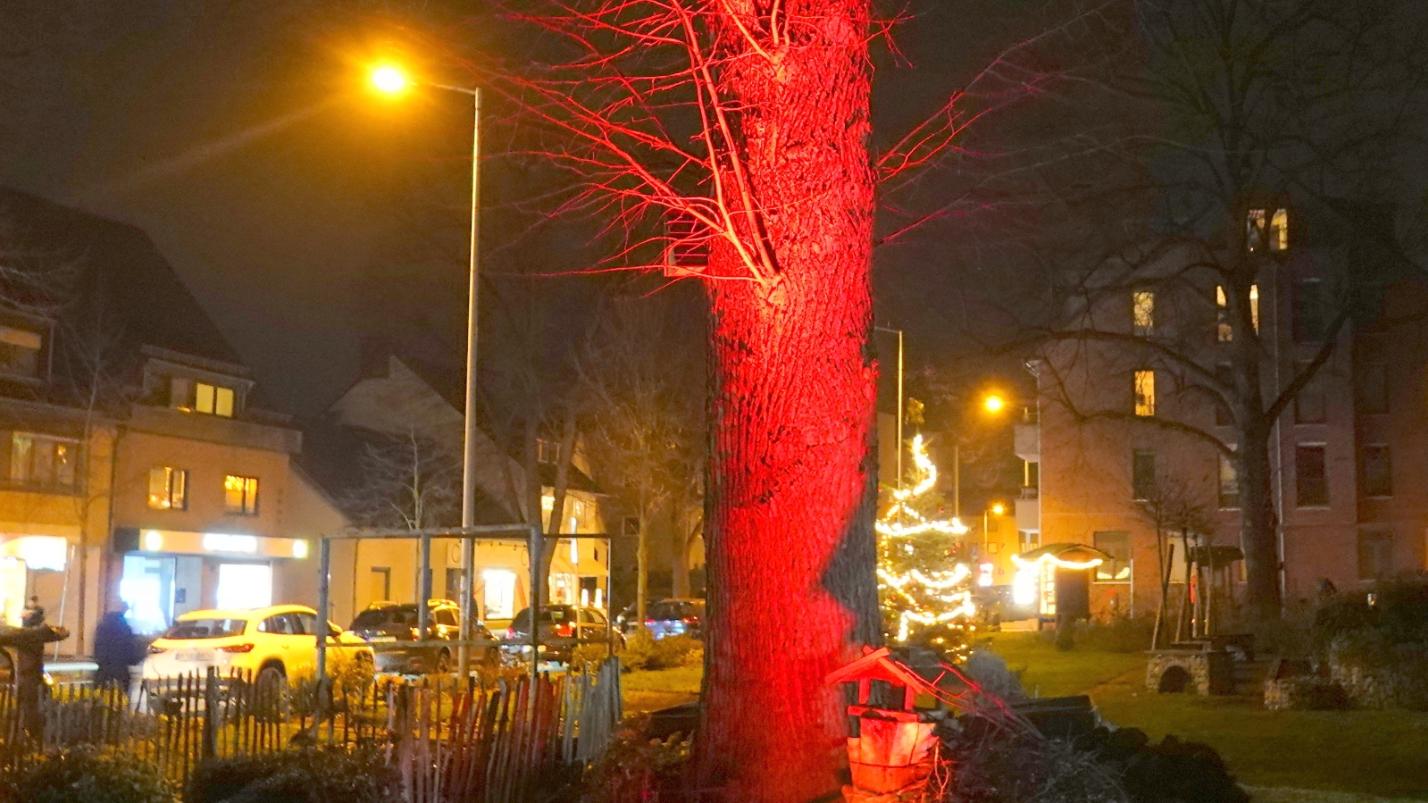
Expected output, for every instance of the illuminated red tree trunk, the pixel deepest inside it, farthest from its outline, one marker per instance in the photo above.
(792, 486)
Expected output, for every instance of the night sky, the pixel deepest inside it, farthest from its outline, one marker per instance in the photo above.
(237, 136)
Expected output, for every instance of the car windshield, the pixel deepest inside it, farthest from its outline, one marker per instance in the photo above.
(670, 610)
(206, 628)
(381, 616)
(556, 615)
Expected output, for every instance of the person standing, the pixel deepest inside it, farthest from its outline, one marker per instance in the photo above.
(114, 648)
(29, 642)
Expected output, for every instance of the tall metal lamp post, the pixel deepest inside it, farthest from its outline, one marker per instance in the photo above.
(392, 80)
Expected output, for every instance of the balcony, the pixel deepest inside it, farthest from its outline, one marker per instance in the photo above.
(1028, 512)
(1026, 442)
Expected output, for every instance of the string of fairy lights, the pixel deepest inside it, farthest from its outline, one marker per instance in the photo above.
(924, 597)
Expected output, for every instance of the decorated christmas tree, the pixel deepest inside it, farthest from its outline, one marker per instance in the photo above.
(924, 581)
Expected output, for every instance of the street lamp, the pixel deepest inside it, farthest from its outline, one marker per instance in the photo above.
(390, 79)
(992, 403)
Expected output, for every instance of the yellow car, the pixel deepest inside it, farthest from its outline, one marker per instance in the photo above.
(272, 645)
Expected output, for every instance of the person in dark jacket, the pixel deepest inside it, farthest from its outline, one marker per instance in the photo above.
(114, 648)
(28, 643)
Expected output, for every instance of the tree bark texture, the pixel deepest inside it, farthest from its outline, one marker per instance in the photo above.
(791, 555)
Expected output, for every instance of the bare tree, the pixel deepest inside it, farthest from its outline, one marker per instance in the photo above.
(645, 375)
(407, 481)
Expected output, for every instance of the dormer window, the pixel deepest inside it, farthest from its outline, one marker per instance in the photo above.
(20, 351)
(193, 396)
(547, 451)
(1267, 227)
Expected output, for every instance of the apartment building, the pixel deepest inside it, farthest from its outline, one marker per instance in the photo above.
(1128, 454)
(136, 463)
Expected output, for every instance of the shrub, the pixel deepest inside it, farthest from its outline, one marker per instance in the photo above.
(988, 670)
(636, 768)
(88, 775)
(644, 652)
(317, 775)
(1119, 634)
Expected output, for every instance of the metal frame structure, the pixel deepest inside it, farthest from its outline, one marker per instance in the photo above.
(528, 534)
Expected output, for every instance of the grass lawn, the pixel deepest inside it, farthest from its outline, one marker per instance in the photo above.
(660, 688)
(1370, 752)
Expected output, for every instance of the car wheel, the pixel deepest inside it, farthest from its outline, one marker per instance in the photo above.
(270, 692)
(443, 662)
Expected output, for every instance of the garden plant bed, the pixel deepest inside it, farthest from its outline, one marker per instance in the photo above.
(1357, 751)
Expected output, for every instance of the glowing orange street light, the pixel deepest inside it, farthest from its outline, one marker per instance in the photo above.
(389, 79)
(994, 403)
(998, 509)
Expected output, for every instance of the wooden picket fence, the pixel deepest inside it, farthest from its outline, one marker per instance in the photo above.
(481, 740)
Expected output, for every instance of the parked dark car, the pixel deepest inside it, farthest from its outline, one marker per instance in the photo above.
(676, 617)
(391, 629)
(562, 629)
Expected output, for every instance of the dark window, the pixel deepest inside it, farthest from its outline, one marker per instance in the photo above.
(20, 352)
(1378, 471)
(1311, 484)
(280, 625)
(547, 451)
(1309, 401)
(444, 616)
(1371, 384)
(1225, 375)
(1117, 545)
(1229, 482)
(1310, 308)
(1375, 554)
(1142, 474)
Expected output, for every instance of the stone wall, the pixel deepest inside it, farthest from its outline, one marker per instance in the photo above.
(1208, 671)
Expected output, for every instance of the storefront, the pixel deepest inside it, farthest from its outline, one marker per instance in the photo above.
(165, 573)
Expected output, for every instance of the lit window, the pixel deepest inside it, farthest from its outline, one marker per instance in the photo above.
(1142, 474)
(1224, 326)
(1143, 312)
(1275, 234)
(1311, 481)
(168, 488)
(20, 352)
(240, 495)
(498, 593)
(1145, 393)
(200, 397)
(1279, 230)
(1229, 482)
(42, 460)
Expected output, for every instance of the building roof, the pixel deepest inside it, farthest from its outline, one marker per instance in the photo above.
(118, 265)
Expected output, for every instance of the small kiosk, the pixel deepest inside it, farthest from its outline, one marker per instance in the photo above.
(1054, 581)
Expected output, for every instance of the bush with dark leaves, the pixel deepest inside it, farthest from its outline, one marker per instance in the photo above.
(328, 775)
(88, 775)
